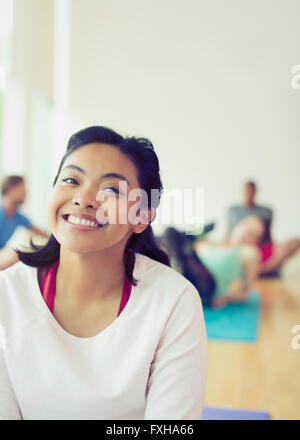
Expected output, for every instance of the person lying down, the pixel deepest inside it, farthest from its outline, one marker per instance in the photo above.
(220, 274)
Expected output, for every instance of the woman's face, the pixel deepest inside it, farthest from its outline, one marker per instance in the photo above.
(92, 182)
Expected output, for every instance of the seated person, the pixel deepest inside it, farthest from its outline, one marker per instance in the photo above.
(238, 213)
(15, 227)
(251, 224)
(251, 231)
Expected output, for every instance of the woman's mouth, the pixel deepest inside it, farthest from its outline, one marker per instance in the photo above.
(81, 224)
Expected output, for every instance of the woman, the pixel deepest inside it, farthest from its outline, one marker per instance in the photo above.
(234, 268)
(95, 325)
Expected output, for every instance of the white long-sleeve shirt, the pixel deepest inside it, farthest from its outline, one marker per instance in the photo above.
(150, 363)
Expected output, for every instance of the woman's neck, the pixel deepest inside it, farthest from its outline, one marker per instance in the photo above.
(90, 277)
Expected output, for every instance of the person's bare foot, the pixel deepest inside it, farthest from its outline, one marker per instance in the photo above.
(219, 303)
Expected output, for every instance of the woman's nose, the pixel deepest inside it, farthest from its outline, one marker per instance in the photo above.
(86, 198)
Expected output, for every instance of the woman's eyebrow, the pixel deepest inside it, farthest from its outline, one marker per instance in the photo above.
(102, 176)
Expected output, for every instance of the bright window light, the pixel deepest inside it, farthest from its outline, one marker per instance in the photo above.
(2, 78)
(6, 8)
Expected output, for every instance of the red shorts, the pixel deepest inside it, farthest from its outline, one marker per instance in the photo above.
(266, 251)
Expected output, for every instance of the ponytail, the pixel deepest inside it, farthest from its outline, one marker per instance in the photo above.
(40, 256)
(145, 244)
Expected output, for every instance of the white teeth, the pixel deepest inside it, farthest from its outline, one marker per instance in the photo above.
(84, 222)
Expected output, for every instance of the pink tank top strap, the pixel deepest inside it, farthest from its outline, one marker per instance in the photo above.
(125, 294)
(127, 286)
(48, 285)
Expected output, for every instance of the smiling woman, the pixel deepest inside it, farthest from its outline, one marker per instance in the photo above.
(99, 295)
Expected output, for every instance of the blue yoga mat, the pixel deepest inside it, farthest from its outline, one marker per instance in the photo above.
(235, 322)
(211, 413)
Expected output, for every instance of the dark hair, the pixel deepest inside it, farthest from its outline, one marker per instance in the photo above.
(252, 184)
(141, 152)
(9, 182)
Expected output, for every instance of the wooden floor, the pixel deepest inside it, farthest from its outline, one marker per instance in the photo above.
(264, 375)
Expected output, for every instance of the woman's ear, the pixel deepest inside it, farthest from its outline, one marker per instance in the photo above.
(146, 216)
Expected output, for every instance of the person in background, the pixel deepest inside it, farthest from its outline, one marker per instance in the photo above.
(13, 193)
(221, 274)
(250, 224)
(250, 208)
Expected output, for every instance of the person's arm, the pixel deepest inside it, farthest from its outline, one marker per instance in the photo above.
(178, 373)
(39, 232)
(24, 221)
(269, 226)
(8, 257)
(226, 240)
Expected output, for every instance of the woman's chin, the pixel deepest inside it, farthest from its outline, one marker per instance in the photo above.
(79, 249)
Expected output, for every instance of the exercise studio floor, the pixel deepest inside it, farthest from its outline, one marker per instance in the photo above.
(262, 376)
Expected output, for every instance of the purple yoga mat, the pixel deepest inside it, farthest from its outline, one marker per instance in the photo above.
(211, 413)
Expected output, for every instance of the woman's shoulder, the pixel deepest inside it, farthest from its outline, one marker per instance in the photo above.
(152, 272)
(161, 289)
(19, 305)
(16, 281)
(17, 270)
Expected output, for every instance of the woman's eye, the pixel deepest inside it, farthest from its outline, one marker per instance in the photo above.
(69, 178)
(112, 189)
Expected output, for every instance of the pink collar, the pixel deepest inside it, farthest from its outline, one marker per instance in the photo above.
(49, 283)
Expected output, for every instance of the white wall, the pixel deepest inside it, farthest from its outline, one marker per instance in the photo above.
(27, 98)
(209, 82)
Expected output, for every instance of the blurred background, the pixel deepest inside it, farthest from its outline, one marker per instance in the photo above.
(208, 81)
